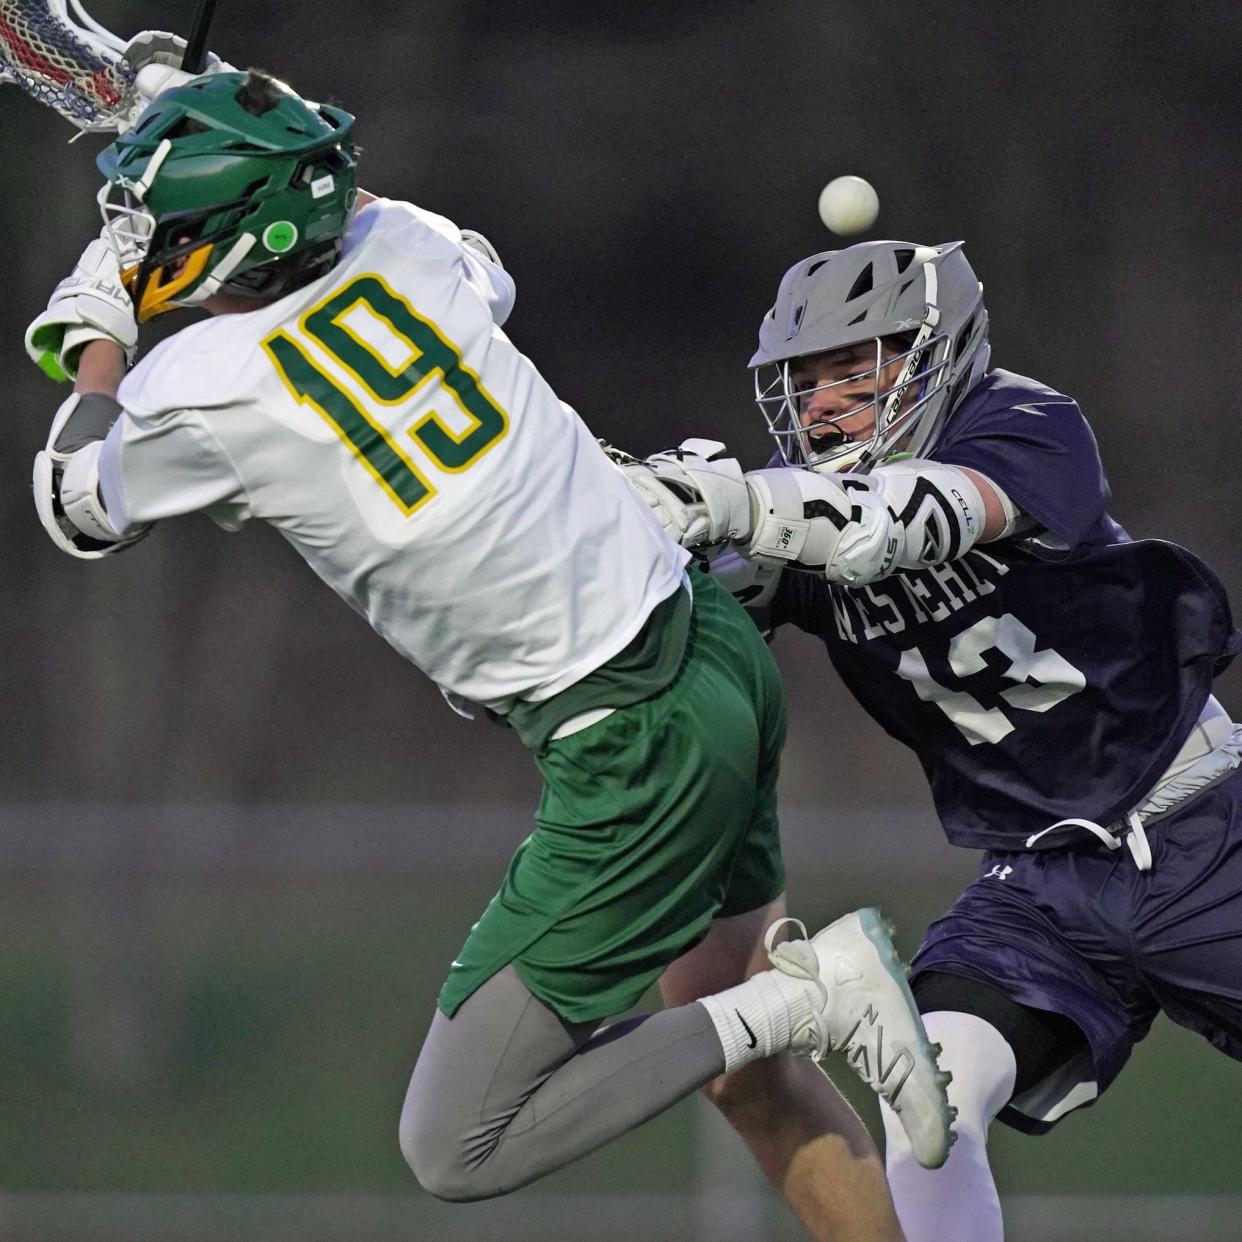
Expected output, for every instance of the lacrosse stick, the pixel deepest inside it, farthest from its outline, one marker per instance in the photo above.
(75, 65)
(195, 59)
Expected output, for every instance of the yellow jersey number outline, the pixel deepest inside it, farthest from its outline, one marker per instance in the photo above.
(431, 355)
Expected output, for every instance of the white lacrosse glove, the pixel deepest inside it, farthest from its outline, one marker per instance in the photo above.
(155, 56)
(89, 304)
(713, 487)
(683, 521)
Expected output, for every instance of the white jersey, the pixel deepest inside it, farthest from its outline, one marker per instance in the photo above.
(385, 425)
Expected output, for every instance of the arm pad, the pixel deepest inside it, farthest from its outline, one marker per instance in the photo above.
(66, 480)
(856, 529)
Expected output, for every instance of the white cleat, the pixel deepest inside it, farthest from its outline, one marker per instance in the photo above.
(867, 1013)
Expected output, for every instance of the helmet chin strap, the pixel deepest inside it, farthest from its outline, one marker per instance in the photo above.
(222, 270)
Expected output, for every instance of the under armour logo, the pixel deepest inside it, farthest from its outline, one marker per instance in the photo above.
(998, 872)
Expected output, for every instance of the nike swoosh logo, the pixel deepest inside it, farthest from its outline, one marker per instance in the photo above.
(746, 1027)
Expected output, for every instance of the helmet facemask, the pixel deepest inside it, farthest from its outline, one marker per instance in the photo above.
(905, 378)
(926, 347)
(162, 261)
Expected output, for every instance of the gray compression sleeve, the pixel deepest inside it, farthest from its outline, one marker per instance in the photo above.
(506, 1091)
(92, 420)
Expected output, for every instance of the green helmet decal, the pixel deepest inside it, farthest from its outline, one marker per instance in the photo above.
(233, 182)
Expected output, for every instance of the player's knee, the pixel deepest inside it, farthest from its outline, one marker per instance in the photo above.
(419, 1149)
(445, 1179)
(435, 1160)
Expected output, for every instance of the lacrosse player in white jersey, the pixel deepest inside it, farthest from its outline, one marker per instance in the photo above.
(352, 386)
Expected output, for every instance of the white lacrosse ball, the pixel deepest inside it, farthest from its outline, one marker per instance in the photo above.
(848, 205)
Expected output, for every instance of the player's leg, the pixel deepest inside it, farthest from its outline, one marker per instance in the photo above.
(642, 822)
(959, 1200)
(1027, 985)
(505, 1091)
(994, 1048)
(806, 1137)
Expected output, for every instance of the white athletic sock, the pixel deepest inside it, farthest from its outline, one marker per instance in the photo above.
(958, 1200)
(759, 1017)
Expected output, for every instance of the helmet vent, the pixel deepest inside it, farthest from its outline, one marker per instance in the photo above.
(903, 259)
(810, 271)
(904, 287)
(186, 128)
(259, 93)
(964, 339)
(864, 284)
(797, 319)
(857, 319)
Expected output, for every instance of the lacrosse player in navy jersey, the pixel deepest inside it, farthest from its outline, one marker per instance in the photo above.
(352, 385)
(944, 528)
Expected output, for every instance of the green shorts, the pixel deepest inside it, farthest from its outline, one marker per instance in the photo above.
(652, 822)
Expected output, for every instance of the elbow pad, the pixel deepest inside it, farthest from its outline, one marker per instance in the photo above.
(80, 499)
(856, 529)
(936, 511)
(66, 480)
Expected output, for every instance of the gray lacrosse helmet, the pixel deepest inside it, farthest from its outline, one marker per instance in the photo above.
(922, 309)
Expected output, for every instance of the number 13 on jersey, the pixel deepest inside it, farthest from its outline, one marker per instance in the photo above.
(348, 325)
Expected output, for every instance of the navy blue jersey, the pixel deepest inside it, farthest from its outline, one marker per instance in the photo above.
(1040, 677)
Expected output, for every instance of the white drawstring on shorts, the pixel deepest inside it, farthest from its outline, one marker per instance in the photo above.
(1135, 838)
(1220, 757)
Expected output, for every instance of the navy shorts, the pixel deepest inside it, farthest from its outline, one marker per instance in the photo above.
(1082, 932)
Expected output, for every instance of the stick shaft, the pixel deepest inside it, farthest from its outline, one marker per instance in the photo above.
(196, 44)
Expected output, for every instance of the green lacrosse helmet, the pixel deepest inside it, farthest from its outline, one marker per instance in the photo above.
(231, 182)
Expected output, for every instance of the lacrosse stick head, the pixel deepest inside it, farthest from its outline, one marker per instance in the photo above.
(231, 182)
(76, 69)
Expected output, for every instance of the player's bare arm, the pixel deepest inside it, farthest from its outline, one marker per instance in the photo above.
(101, 369)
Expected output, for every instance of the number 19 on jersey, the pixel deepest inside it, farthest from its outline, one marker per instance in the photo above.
(347, 325)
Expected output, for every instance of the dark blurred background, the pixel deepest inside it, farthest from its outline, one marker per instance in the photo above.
(240, 839)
